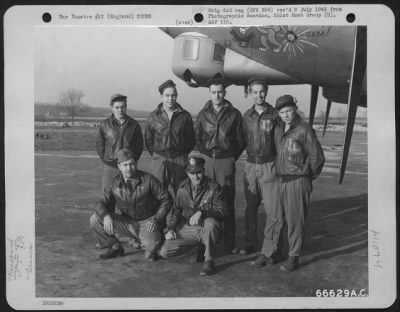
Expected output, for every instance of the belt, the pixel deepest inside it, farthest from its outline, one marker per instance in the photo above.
(170, 154)
(218, 154)
(288, 178)
(260, 159)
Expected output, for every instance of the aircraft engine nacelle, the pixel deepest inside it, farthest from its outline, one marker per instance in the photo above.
(197, 58)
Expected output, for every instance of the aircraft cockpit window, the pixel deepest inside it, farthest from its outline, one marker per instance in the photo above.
(191, 49)
(219, 53)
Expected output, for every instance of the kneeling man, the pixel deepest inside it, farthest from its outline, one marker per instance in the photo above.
(197, 216)
(144, 204)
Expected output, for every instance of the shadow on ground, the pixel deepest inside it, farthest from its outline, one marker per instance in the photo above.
(68, 183)
(335, 256)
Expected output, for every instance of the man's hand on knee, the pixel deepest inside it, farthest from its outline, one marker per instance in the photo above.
(171, 234)
(195, 219)
(108, 225)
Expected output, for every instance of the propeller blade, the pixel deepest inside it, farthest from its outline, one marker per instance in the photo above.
(357, 76)
(313, 103)
(328, 109)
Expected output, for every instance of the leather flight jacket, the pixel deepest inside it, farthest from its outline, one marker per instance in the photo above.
(210, 200)
(220, 135)
(299, 152)
(112, 137)
(259, 130)
(169, 138)
(138, 200)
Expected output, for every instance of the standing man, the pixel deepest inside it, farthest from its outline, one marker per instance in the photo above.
(220, 138)
(144, 204)
(299, 161)
(260, 182)
(197, 216)
(117, 132)
(169, 138)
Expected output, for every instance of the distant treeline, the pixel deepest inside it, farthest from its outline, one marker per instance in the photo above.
(51, 112)
(46, 111)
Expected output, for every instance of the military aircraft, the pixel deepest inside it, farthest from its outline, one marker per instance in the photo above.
(331, 57)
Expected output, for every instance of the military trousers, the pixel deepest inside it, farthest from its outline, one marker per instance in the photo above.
(189, 236)
(260, 183)
(295, 199)
(125, 228)
(170, 171)
(223, 172)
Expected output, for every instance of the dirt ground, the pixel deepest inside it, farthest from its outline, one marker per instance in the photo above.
(335, 252)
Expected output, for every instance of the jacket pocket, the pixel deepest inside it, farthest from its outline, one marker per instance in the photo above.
(296, 158)
(295, 152)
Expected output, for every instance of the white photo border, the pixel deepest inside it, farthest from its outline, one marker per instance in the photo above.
(19, 24)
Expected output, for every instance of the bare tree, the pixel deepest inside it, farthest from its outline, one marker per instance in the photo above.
(70, 102)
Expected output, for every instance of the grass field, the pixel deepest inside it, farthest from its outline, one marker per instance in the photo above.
(59, 139)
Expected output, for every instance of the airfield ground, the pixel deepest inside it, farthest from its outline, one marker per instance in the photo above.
(67, 184)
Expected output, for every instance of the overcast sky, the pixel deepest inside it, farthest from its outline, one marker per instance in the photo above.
(133, 61)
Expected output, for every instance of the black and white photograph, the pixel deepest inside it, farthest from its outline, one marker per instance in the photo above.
(202, 161)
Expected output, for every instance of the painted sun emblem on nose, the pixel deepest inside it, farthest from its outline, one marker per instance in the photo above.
(295, 40)
(291, 37)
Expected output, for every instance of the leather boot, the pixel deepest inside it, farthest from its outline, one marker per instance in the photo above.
(208, 268)
(115, 251)
(262, 261)
(291, 264)
(197, 254)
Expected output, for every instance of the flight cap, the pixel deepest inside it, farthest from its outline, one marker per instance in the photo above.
(285, 100)
(196, 164)
(124, 155)
(117, 97)
(167, 84)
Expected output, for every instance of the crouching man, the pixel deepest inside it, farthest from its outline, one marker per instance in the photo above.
(197, 216)
(144, 204)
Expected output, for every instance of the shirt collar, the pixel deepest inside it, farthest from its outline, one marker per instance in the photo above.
(136, 179)
(200, 186)
(177, 109)
(210, 105)
(266, 106)
(115, 122)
